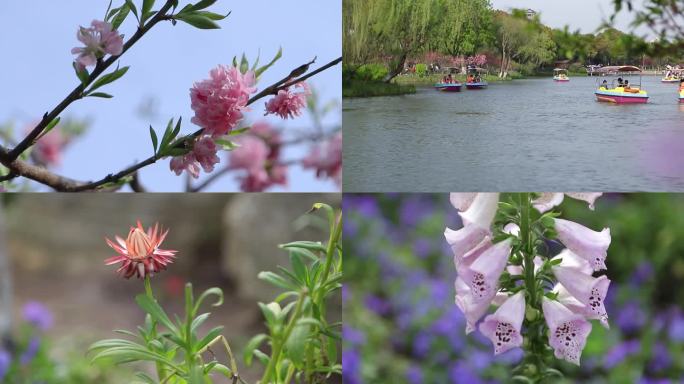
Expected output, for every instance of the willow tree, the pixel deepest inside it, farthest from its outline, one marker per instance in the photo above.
(387, 28)
(464, 27)
(511, 33)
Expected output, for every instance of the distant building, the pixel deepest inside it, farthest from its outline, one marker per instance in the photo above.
(531, 13)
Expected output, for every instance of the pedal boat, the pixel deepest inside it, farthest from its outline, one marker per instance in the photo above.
(621, 95)
(560, 75)
(448, 87)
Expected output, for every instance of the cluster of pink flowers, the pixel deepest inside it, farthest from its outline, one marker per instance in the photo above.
(203, 155)
(478, 60)
(219, 101)
(48, 149)
(289, 102)
(99, 39)
(480, 263)
(259, 156)
(326, 159)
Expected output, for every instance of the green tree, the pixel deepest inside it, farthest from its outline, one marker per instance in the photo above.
(464, 27)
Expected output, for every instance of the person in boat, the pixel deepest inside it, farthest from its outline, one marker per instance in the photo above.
(604, 84)
(620, 82)
(450, 80)
(626, 84)
(470, 78)
(478, 79)
(681, 85)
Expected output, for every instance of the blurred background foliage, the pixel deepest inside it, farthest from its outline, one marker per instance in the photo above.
(402, 326)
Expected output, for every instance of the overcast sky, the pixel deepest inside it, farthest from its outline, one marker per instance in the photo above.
(37, 36)
(585, 15)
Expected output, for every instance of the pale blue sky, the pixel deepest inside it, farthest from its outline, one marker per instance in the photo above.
(585, 15)
(37, 36)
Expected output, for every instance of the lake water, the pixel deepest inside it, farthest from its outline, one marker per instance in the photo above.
(524, 135)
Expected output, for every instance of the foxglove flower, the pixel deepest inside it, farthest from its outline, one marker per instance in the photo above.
(548, 200)
(140, 254)
(100, 39)
(471, 309)
(482, 273)
(461, 201)
(587, 290)
(477, 219)
(219, 101)
(503, 327)
(571, 260)
(289, 102)
(582, 241)
(568, 331)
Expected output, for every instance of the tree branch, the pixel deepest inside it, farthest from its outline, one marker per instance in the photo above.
(77, 93)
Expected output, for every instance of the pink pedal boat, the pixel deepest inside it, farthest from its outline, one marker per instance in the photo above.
(619, 91)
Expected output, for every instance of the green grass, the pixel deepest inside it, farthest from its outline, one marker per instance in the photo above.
(357, 88)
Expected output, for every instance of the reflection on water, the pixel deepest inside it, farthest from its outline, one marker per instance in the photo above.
(515, 136)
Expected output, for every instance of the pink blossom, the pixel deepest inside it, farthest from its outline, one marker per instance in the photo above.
(567, 331)
(289, 103)
(203, 155)
(187, 163)
(586, 289)
(219, 101)
(503, 326)
(326, 159)
(259, 156)
(590, 245)
(482, 273)
(99, 39)
(48, 149)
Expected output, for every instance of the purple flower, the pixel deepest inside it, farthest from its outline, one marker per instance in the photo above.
(421, 344)
(345, 293)
(352, 335)
(660, 359)
(414, 210)
(5, 361)
(378, 305)
(620, 352)
(38, 315)
(676, 327)
(422, 247)
(643, 273)
(630, 318)
(462, 373)
(414, 374)
(30, 352)
(351, 362)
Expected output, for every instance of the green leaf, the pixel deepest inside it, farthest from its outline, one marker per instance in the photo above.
(197, 21)
(239, 131)
(298, 267)
(146, 8)
(296, 343)
(212, 15)
(227, 144)
(155, 310)
(267, 66)
(108, 78)
(244, 64)
(82, 75)
(121, 15)
(214, 333)
(133, 8)
(253, 344)
(263, 358)
(202, 4)
(49, 127)
(100, 94)
(310, 245)
(211, 291)
(276, 280)
(153, 135)
(198, 321)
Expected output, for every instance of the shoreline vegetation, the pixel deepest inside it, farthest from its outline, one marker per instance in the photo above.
(392, 46)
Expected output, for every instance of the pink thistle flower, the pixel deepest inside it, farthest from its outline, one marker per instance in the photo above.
(482, 273)
(99, 39)
(326, 159)
(567, 331)
(503, 327)
(590, 245)
(472, 310)
(219, 101)
(587, 290)
(548, 200)
(289, 103)
(140, 254)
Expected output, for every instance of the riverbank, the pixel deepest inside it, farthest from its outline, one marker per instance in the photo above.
(436, 78)
(359, 88)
